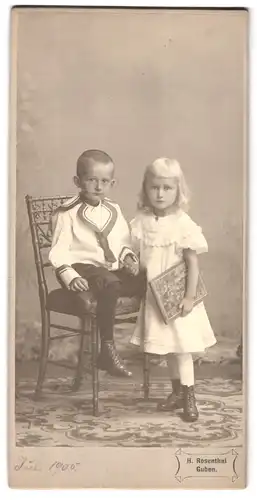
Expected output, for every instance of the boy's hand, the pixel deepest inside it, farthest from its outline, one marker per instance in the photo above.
(79, 285)
(186, 306)
(131, 264)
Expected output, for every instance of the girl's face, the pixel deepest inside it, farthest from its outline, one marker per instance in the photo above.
(161, 191)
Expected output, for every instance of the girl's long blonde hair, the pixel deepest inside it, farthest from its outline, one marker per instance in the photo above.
(166, 168)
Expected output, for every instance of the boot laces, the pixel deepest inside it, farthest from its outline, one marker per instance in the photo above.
(191, 399)
(115, 356)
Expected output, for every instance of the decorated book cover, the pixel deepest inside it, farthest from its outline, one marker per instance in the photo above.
(169, 289)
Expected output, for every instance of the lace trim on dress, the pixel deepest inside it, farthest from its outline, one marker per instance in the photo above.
(182, 232)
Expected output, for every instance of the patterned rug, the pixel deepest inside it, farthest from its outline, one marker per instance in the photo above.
(64, 419)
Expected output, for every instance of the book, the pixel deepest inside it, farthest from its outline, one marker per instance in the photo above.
(169, 290)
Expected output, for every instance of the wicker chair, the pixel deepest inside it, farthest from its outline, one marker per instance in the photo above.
(63, 301)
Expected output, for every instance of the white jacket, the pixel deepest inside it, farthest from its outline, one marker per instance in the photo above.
(75, 241)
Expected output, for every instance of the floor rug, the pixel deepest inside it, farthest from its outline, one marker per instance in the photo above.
(63, 418)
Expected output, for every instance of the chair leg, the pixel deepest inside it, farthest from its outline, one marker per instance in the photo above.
(44, 353)
(94, 354)
(79, 371)
(146, 374)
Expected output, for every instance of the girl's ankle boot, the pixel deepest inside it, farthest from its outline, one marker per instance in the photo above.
(174, 400)
(190, 409)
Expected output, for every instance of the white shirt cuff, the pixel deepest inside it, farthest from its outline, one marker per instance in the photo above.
(126, 251)
(67, 274)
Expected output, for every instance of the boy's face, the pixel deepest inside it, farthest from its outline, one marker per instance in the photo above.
(95, 181)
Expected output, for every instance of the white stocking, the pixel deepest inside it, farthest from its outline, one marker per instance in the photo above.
(186, 369)
(172, 366)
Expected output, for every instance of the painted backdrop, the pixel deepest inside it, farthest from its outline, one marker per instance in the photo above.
(138, 84)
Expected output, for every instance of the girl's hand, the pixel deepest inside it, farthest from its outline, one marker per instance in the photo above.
(131, 264)
(79, 285)
(186, 306)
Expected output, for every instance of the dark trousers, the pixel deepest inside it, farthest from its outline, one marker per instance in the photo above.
(107, 287)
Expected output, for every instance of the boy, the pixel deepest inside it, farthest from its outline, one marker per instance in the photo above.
(91, 250)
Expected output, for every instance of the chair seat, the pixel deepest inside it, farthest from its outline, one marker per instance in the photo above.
(65, 301)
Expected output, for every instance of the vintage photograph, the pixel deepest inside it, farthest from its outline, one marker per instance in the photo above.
(128, 165)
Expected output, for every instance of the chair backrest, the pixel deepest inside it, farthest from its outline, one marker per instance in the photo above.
(40, 211)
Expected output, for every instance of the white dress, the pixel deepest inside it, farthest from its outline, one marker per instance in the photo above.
(160, 243)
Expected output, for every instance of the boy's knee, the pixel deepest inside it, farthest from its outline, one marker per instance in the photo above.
(107, 284)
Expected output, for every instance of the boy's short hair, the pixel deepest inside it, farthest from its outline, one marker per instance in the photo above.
(95, 155)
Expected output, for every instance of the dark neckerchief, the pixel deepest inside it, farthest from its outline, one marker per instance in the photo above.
(101, 235)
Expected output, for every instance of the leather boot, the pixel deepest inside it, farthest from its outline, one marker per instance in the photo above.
(110, 360)
(190, 409)
(174, 400)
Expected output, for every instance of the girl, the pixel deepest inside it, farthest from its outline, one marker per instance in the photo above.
(164, 234)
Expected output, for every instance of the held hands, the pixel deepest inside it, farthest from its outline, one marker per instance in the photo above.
(186, 305)
(79, 284)
(131, 264)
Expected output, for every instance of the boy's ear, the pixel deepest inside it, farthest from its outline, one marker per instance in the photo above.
(113, 182)
(76, 181)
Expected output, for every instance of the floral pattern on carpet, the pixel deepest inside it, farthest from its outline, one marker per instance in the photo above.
(65, 419)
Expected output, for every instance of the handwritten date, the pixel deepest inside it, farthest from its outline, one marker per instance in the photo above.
(24, 463)
(63, 467)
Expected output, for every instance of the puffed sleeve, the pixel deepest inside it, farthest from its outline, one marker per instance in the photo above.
(191, 236)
